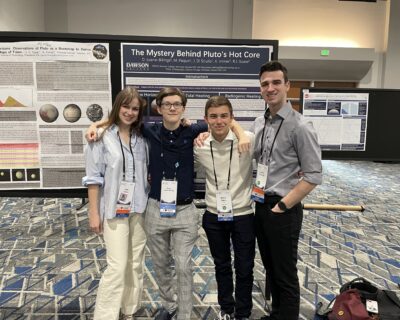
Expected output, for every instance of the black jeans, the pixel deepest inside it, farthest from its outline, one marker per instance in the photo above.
(219, 234)
(278, 237)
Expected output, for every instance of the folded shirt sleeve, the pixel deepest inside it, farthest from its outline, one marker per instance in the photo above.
(309, 153)
(95, 164)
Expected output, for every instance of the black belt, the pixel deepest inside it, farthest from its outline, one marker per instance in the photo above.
(183, 202)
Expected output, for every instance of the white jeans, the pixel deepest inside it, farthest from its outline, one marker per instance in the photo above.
(121, 285)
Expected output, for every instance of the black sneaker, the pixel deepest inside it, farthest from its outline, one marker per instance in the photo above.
(163, 314)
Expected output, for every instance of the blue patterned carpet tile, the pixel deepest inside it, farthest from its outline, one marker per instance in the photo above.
(50, 264)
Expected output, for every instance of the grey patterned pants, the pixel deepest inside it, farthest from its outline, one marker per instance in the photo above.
(171, 240)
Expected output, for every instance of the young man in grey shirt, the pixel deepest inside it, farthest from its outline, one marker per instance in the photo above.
(288, 168)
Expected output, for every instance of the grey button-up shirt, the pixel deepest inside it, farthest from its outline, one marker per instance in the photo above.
(104, 163)
(295, 149)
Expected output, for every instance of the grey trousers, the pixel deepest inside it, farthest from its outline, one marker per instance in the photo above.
(171, 241)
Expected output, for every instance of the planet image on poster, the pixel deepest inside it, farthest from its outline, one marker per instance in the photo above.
(72, 113)
(33, 174)
(5, 175)
(94, 112)
(48, 113)
(154, 108)
(18, 174)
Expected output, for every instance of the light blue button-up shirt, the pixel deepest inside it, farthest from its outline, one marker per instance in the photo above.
(104, 167)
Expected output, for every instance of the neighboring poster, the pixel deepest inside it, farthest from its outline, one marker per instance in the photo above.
(50, 92)
(340, 119)
(200, 71)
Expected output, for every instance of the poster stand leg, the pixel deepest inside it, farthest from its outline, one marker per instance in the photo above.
(83, 203)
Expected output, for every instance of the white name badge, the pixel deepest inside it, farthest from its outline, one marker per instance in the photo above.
(224, 205)
(257, 193)
(125, 199)
(169, 191)
(262, 175)
(372, 306)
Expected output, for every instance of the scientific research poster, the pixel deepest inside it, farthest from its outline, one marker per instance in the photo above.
(340, 119)
(200, 71)
(49, 93)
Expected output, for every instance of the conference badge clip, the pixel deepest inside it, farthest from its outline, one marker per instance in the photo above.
(169, 191)
(257, 193)
(224, 205)
(125, 199)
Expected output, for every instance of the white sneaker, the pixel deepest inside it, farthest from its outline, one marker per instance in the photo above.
(127, 317)
(224, 316)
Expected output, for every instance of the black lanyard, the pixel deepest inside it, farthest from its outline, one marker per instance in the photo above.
(230, 161)
(273, 142)
(123, 155)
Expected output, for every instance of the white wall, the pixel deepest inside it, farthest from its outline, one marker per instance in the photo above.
(326, 23)
(22, 15)
(391, 69)
(169, 18)
(301, 22)
(321, 22)
(373, 79)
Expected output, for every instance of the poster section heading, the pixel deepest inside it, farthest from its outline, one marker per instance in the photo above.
(340, 119)
(53, 50)
(50, 92)
(200, 71)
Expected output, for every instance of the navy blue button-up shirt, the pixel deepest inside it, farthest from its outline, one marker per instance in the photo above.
(171, 154)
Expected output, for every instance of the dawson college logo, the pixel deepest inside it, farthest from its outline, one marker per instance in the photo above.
(137, 66)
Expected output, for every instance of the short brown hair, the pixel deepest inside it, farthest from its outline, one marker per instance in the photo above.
(218, 101)
(274, 66)
(170, 91)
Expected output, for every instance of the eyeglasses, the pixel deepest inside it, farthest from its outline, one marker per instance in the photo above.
(169, 105)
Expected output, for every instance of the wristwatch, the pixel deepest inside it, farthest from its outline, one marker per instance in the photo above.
(282, 206)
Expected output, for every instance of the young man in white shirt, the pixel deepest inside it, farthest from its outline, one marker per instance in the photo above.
(229, 217)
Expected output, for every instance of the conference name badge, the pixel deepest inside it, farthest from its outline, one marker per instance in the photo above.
(224, 205)
(257, 193)
(169, 191)
(125, 199)
(372, 306)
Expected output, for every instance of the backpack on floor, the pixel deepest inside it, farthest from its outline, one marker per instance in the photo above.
(360, 300)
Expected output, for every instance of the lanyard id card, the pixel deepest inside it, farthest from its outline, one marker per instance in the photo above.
(169, 191)
(125, 199)
(262, 174)
(224, 205)
(372, 306)
(257, 193)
